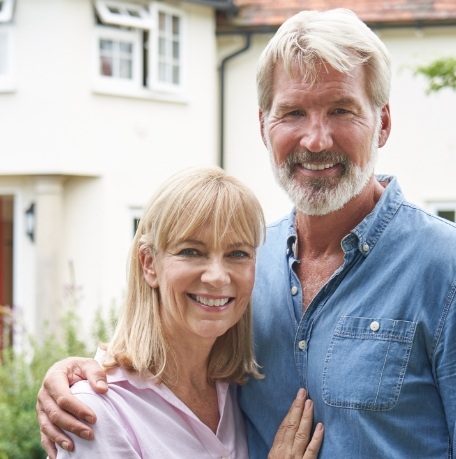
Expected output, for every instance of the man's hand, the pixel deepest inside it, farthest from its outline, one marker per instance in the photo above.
(58, 409)
(292, 440)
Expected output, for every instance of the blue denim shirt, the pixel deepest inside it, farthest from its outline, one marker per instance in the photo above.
(376, 348)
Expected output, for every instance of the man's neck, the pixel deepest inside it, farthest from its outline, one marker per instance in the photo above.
(321, 236)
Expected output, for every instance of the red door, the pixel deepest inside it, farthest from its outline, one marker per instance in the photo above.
(6, 264)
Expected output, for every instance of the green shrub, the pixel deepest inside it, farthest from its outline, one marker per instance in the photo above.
(21, 374)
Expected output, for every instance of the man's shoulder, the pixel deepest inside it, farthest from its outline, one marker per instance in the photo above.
(428, 221)
(280, 225)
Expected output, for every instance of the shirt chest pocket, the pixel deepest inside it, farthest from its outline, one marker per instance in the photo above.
(366, 363)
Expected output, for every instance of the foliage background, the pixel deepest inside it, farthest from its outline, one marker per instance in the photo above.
(440, 74)
(21, 374)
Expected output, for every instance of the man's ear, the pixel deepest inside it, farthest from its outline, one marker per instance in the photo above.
(147, 263)
(261, 116)
(385, 126)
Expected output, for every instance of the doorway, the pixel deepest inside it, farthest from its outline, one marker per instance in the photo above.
(6, 267)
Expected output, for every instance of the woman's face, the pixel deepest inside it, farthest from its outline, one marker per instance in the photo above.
(204, 290)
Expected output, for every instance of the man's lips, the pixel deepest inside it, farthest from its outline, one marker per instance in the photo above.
(317, 167)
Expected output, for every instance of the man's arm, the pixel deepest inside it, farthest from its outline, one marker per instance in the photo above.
(57, 408)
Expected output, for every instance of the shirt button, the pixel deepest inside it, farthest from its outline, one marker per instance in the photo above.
(365, 247)
(374, 326)
(302, 345)
(294, 290)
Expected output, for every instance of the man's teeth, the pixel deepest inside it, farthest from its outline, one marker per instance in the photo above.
(317, 167)
(211, 302)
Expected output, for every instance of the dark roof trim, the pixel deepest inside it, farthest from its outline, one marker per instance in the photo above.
(270, 29)
(220, 5)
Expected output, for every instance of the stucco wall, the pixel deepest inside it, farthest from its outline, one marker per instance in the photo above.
(110, 152)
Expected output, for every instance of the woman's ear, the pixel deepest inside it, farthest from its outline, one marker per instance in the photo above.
(147, 263)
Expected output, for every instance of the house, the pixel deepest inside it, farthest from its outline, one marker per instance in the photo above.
(101, 100)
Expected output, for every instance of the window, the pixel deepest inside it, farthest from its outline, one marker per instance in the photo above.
(446, 210)
(6, 45)
(139, 49)
(135, 216)
(6, 10)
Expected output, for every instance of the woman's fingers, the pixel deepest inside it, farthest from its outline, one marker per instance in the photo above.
(293, 438)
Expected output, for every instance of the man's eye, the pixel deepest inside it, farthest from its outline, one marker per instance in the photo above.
(340, 111)
(296, 113)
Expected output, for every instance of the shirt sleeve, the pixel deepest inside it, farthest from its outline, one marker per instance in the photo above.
(112, 438)
(445, 366)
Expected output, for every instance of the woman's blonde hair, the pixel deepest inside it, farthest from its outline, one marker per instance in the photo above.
(335, 37)
(195, 198)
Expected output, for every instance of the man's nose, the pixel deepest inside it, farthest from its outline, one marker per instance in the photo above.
(316, 135)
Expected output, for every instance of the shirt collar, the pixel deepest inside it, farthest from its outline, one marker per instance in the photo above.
(366, 234)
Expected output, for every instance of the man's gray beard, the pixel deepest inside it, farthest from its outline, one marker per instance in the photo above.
(323, 195)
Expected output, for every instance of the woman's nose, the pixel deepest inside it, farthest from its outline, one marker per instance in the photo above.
(216, 274)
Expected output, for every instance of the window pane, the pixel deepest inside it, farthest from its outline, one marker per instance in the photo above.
(3, 54)
(125, 69)
(116, 58)
(106, 66)
(133, 13)
(105, 45)
(126, 48)
(176, 24)
(176, 79)
(176, 50)
(447, 214)
(162, 46)
(162, 71)
(113, 10)
(161, 21)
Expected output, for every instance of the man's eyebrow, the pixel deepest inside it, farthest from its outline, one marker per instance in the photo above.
(344, 101)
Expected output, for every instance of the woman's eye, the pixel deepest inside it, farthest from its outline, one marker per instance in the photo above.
(239, 254)
(188, 252)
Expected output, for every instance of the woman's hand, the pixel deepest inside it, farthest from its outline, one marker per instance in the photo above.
(293, 440)
(58, 409)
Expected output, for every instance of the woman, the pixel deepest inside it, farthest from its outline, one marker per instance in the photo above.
(183, 341)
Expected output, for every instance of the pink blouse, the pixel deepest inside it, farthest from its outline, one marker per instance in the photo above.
(138, 419)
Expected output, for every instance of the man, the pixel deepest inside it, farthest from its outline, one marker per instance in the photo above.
(355, 293)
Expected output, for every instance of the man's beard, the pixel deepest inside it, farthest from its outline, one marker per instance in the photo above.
(323, 195)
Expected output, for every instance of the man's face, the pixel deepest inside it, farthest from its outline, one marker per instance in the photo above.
(323, 138)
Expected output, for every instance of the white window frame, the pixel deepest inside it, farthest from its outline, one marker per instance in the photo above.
(138, 24)
(436, 206)
(114, 83)
(7, 77)
(154, 52)
(6, 12)
(140, 18)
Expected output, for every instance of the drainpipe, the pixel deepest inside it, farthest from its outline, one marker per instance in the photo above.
(222, 69)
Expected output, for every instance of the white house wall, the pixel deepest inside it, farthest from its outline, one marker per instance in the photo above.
(421, 150)
(110, 152)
